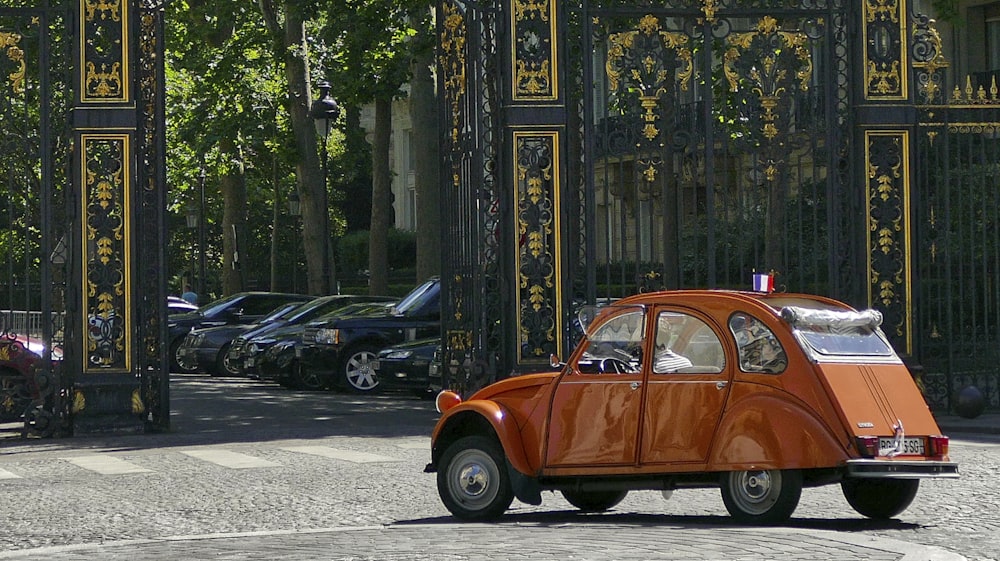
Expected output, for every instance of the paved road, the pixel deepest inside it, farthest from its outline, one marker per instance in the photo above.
(252, 471)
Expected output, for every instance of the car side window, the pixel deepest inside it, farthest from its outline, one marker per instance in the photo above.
(616, 346)
(758, 347)
(686, 344)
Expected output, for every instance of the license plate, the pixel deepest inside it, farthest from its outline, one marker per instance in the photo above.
(374, 364)
(249, 363)
(913, 446)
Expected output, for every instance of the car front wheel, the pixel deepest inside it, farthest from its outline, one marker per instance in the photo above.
(472, 479)
(177, 365)
(761, 496)
(594, 501)
(224, 366)
(879, 498)
(358, 372)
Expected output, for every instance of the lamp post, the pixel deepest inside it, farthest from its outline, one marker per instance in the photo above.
(196, 219)
(295, 210)
(323, 111)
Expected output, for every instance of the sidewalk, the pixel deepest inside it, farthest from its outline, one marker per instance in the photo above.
(953, 425)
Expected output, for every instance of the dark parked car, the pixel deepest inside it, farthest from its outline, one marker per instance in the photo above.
(408, 366)
(239, 308)
(207, 349)
(178, 305)
(263, 335)
(276, 360)
(340, 352)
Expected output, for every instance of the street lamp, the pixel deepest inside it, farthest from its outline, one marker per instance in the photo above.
(195, 218)
(323, 111)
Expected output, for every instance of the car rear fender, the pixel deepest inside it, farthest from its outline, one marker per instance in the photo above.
(486, 418)
(774, 431)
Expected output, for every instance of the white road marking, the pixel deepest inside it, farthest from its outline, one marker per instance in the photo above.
(106, 465)
(4, 474)
(229, 459)
(339, 454)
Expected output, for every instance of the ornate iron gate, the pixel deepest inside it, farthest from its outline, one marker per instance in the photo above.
(606, 147)
(83, 216)
(36, 86)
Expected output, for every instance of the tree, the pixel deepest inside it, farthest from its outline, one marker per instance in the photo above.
(423, 115)
(287, 25)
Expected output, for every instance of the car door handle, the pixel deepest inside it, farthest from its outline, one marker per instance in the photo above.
(721, 385)
(635, 385)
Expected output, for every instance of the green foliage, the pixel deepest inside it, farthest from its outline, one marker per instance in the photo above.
(946, 11)
(353, 250)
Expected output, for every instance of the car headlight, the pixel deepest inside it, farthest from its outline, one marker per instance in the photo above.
(398, 355)
(328, 336)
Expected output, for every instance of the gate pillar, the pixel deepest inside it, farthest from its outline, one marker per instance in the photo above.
(534, 148)
(886, 124)
(114, 330)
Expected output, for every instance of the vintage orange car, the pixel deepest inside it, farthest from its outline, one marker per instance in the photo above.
(759, 394)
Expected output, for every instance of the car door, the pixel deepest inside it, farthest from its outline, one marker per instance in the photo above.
(686, 389)
(594, 416)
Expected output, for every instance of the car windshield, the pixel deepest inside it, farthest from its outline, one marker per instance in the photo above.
(219, 305)
(417, 298)
(832, 333)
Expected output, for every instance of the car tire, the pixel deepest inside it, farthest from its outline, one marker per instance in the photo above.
(761, 496)
(305, 379)
(356, 372)
(175, 365)
(594, 501)
(472, 479)
(880, 499)
(222, 365)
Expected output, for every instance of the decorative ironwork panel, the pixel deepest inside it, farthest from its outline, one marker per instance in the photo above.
(887, 156)
(35, 93)
(538, 254)
(106, 251)
(474, 317)
(533, 31)
(104, 56)
(886, 53)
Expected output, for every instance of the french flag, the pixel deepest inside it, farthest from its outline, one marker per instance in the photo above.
(763, 282)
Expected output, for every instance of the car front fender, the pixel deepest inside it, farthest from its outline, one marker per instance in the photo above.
(481, 417)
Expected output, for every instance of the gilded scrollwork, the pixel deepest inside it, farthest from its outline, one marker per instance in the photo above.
(534, 51)
(888, 229)
(9, 43)
(537, 251)
(767, 76)
(885, 49)
(105, 52)
(106, 250)
(650, 61)
(453, 67)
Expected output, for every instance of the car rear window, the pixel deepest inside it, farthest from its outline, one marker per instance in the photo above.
(838, 333)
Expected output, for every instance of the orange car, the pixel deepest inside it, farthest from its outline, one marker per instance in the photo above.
(757, 394)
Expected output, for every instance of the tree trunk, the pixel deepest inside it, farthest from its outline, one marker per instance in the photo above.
(378, 254)
(234, 217)
(423, 113)
(312, 189)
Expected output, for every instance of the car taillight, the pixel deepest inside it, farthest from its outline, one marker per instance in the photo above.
(446, 400)
(937, 445)
(867, 446)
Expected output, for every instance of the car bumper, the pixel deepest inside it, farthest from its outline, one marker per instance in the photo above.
(402, 374)
(197, 357)
(318, 358)
(902, 469)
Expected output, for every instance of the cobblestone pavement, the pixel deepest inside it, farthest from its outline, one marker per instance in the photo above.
(252, 471)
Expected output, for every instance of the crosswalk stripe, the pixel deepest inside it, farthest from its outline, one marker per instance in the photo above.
(4, 474)
(229, 459)
(106, 465)
(338, 454)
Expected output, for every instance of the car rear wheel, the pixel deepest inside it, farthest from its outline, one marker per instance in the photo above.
(358, 372)
(879, 498)
(761, 496)
(305, 378)
(472, 479)
(594, 501)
